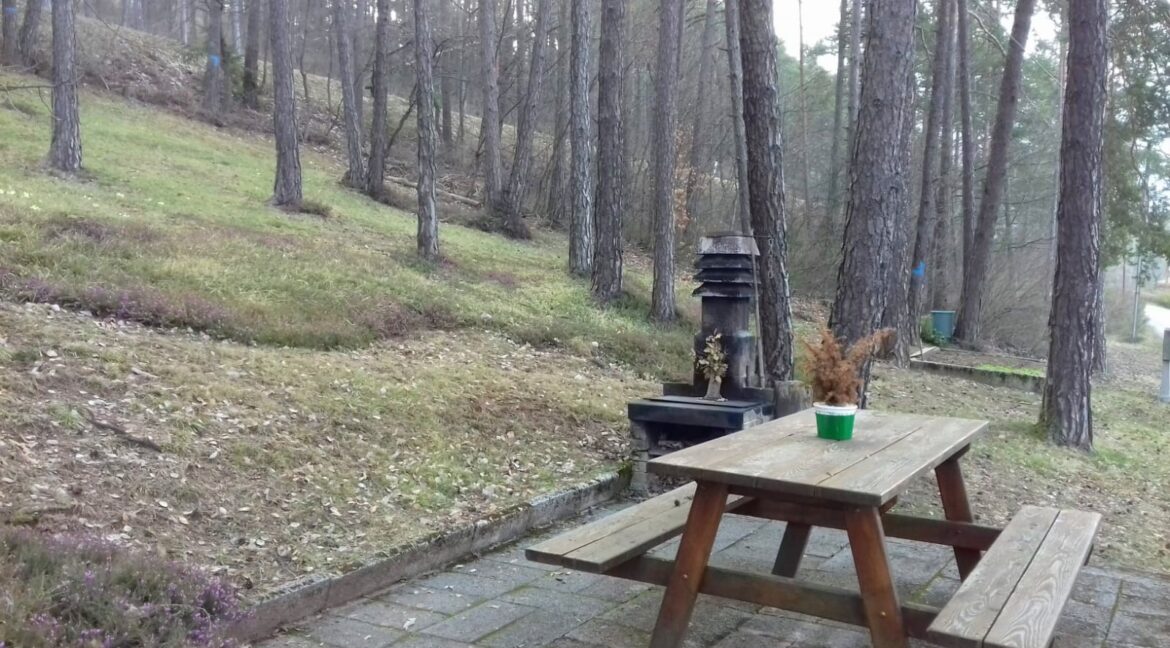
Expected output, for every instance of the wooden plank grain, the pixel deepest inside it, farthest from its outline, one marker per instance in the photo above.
(970, 614)
(1029, 617)
(552, 550)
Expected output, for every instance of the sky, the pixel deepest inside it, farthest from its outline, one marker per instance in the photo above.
(820, 21)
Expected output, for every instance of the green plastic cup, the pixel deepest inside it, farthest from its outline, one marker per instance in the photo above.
(835, 422)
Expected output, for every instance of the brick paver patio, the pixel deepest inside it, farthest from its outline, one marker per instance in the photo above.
(504, 601)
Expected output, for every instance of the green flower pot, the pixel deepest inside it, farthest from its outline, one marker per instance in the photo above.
(835, 422)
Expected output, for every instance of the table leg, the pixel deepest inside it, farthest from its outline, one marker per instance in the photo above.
(883, 612)
(689, 565)
(791, 549)
(953, 493)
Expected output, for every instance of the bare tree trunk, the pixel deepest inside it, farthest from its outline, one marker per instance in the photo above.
(238, 26)
(252, 55)
(806, 192)
(581, 242)
(1067, 410)
(446, 87)
(214, 78)
(855, 64)
(489, 121)
(879, 172)
(559, 185)
(10, 54)
(611, 165)
(30, 31)
(833, 202)
(355, 175)
(927, 223)
(65, 149)
(663, 308)
(424, 52)
(463, 36)
(967, 130)
(739, 132)
(697, 166)
(513, 199)
(975, 266)
(943, 252)
(763, 118)
(376, 169)
(287, 187)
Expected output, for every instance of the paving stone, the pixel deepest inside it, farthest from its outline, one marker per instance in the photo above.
(351, 633)
(515, 556)
(479, 621)
(610, 635)
(938, 593)
(805, 634)
(748, 640)
(826, 543)
(515, 574)
(710, 621)
(1084, 620)
(536, 629)
(564, 604)
(389, 615)
(1145, 596)
(1077, 641)
(1139, 630)
(565, 642)
(473, 585)
(618, 590)
(567, 581)
(424, 641)
(289, 641)
(1096, 587)
(424, 598)
(913, 565)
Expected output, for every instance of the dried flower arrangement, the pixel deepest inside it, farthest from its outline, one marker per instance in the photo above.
(713, 365)
(834, 372)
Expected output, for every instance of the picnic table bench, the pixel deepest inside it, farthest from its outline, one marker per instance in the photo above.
(1010, 597)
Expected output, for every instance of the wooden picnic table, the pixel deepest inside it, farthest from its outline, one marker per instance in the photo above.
(793, 475)
(781, 471)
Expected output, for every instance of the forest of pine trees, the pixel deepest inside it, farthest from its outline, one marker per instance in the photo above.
(946, 154)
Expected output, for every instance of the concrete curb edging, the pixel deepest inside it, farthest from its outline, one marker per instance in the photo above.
(1034, 384)
(305, 599)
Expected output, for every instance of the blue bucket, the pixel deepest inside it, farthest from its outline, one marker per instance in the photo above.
(943, 323)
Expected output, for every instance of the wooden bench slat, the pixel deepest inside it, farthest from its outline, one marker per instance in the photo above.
(1029, 618)
(970, 614)
(601, 545)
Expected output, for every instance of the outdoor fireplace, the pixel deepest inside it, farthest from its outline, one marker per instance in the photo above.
(681, 416)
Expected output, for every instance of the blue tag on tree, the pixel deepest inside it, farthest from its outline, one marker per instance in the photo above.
(213, 59)
(920, 270)
(10, 11)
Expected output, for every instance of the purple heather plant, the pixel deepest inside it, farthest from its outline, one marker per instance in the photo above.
(80, 592)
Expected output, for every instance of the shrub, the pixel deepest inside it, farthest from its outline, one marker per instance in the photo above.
(834, 372)
(78, 592)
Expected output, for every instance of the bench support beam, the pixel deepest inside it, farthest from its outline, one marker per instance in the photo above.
(780, 592)
(953, 492)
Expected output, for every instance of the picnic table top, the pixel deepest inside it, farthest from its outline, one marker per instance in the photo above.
(785, 456)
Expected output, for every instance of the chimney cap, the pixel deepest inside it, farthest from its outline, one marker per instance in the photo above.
(728, 243)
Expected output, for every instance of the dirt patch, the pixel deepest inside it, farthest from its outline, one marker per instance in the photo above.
(983, 360)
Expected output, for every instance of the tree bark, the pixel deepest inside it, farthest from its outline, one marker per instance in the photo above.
(252, 55)
(424, 52)
(739, 132)
(663, 307)
(833, 199)
(581, 242)
(559, 185)
(1066, 413)
(697, 164)
(879, 173)
(763, 118)
(806, 190)
(446, 86)
(214, 78)
(65, 148)
(355, 175)
(513, 201)
(10, 54)
(376, 169)
(611, 165)
(927, 223)
(30, 30)
(855, 64)
(286, 190)
(967, 144)
(975, 266)
(489, 122)
(943, 251)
